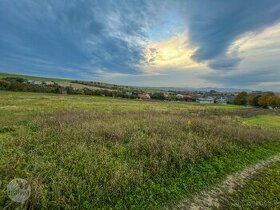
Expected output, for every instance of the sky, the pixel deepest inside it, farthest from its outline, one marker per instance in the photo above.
(157, 43)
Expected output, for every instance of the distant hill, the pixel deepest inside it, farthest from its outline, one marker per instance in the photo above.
(82, 83)
(92, 84)
(207, 89)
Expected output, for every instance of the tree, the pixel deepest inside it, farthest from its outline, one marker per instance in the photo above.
(253, 100)
(241, 98)
(264, 99)
(274, 101)
(158, 96)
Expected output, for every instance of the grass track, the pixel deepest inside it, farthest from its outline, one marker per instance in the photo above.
(261, 192)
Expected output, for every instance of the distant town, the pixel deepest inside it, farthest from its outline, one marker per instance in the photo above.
(253, 98)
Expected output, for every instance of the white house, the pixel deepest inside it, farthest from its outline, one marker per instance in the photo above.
(222, 101)
(208, 100)
(37, 82)
(179, 96)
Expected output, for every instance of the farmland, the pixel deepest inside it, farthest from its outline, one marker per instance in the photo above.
(90, 152)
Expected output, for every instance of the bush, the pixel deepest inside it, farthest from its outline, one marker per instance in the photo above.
(241, 98)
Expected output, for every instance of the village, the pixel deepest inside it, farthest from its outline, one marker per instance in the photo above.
(203, 97)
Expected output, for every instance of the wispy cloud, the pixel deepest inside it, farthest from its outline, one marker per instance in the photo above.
(215, 25)
(107, 35)
(143, 41)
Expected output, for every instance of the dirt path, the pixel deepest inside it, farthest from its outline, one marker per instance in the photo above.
(211, 198)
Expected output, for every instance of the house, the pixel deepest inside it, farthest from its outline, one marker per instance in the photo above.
(222, 100)
(208, 100)
(144, 96)
(60, 84)
(179, 97)
(48, 83)
(37, 83)
(189, 98)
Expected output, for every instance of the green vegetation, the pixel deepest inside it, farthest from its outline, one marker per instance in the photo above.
(4, 75)
(261, 192)
(24, 83)
(89, 152)
(77, 84)
(264, 100)
(264, 121)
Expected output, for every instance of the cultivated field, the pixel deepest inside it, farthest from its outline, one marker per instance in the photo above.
(85, 152)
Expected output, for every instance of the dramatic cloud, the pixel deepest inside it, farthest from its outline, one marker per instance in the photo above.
(172, 53)
(145, 42)
(215, 25)
(260, 66)
(82, 34)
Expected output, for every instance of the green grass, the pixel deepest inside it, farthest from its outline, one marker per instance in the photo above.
(261, 192)
(85, 152)
(3, 75)
(67, 82)
(62, 82)
(264, 121)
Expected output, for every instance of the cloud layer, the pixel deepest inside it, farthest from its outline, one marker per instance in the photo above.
(82, 34)
(215, 25)
(225, 42)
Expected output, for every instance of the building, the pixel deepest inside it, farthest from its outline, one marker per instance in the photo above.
(49, 83)
(144, 96)
(37, 83)
(189, 98)
(208, 100)
(179, 97)
(222, 100)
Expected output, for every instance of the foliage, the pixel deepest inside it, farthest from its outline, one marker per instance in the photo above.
(274, 101)
(265, 100)
(241, 98)
(158, 96)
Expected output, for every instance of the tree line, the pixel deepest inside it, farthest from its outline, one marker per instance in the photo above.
(265, 100)
(21, 85)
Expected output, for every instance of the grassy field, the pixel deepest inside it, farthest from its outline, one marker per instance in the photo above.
(264, 121)
(84, 152)
(261, 192)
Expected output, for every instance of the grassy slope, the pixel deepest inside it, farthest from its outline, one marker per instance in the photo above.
(133, 154)
(261, 192)
(63, 82)
(3, 75)
(264, 121)
(66, 82)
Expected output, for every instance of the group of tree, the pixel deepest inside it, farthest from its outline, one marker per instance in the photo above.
(101, 85)
(264, 100)
(22, 85)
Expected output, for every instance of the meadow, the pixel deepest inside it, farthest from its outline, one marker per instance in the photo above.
(86, 152)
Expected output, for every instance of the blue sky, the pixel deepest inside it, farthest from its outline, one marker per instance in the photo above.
(179, 43)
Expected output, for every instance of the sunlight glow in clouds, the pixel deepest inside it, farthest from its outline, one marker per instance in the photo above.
(181, 43)
(252, 43)
(173, 53)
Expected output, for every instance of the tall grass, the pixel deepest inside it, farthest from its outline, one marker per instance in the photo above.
(78, 160)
